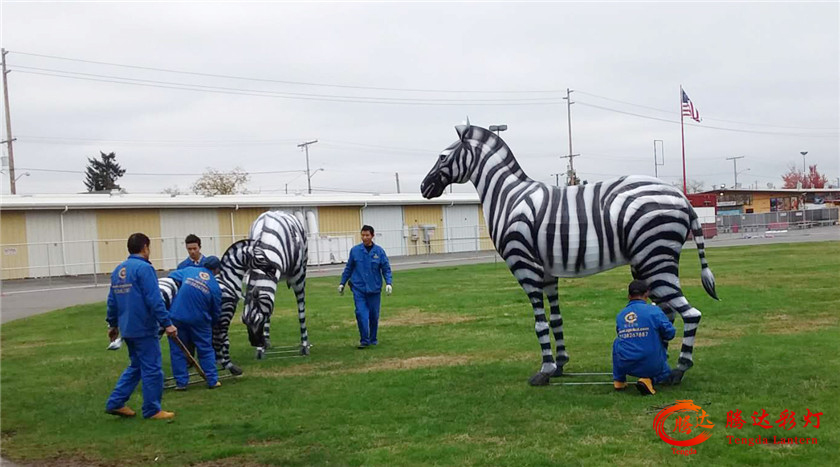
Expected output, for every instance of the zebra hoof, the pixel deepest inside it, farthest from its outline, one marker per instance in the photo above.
(558, 372)
(260, 353)
(267, 343)
(539, 379)
(235, 370)
(304, 349)
(676, 377)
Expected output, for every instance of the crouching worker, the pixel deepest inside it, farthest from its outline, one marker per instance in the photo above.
(136, 309)
(195, 310)
(639, 349)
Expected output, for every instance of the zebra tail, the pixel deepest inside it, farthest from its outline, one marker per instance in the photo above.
(706, 275)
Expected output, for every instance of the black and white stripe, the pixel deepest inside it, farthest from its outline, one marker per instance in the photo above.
(545, 233)
(280, 251)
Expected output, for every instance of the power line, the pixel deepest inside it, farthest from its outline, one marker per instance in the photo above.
(707, 118)
(269, 172)
(260, 91)
(279, 95)
(775, 133)
(299, 83)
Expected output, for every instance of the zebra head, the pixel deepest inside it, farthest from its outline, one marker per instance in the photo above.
(454, 165)
(259, 304)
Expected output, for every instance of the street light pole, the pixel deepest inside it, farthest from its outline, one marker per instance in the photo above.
(656, 163)
(804, 171)
(305, 147)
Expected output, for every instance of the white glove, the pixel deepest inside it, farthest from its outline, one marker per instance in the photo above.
(116, 344)
(388, 289)
(341, 289)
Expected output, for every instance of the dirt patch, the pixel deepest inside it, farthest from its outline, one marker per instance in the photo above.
(786, 324)
(388, 364)
(230, 462)
(475, 439)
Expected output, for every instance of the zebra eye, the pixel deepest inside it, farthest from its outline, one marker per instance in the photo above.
(443, 157)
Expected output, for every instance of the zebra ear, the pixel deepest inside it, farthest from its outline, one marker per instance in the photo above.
(462, 130)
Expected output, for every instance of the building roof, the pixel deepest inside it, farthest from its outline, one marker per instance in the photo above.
(771, 190)
(164, 201)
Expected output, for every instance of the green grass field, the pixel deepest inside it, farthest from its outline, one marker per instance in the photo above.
(448, 383)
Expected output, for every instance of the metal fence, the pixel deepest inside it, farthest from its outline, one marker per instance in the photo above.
(779, 220)
(86, 259)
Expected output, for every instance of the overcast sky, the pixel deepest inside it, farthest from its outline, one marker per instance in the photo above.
(764, 78)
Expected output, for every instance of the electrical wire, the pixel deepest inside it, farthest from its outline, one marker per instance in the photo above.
(298, 83)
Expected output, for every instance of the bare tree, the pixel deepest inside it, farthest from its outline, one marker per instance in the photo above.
(173, 190)
(694, 186)
(215, 182)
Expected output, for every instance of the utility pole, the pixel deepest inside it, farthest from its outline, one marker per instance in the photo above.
(735, 167)
(305, 147)
(9, 138)
(572, 155)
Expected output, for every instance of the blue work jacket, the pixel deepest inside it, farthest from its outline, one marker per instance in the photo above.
(365, 269)
(134, 301)
(189, 262)
(642, 330)
(199, 298)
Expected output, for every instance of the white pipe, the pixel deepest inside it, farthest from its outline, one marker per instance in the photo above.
(63, 250)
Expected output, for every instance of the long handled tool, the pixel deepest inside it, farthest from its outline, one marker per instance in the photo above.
(189, 356)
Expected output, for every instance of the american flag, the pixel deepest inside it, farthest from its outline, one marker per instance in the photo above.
(688, 109)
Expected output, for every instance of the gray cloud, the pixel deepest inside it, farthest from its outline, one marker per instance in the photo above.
(769, 64)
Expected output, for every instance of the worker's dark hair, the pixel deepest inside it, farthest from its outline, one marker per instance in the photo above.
(367, 228)
(136, 242)
(192, 238)
(637, 288)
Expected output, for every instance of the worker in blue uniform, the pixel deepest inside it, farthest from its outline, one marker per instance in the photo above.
(194, 256)
(366, 266)
(136, 310)
(196, 308)
(639, 348)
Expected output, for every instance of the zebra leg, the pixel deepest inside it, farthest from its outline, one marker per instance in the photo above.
(299, 287)
(555, 320)
(267, 332)
(535, 295)
(221, 342)
(665, 287)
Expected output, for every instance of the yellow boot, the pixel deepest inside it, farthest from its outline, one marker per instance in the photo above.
(122, 412)
(163, 415)
(645, 387)
(619, 385)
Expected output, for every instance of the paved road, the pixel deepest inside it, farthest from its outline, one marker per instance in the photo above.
(28, 297)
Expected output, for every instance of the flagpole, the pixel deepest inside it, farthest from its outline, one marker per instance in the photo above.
(682, 131)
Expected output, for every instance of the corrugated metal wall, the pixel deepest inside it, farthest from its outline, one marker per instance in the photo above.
(461, 228)
(81, 250)
(15, 256)
(176, 224)
(340, 221)
(387, 222)
(425, 215)
(114, 228)
(44, 237)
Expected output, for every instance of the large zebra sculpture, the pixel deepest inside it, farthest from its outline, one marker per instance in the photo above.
(280, 251)
(544, 233)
